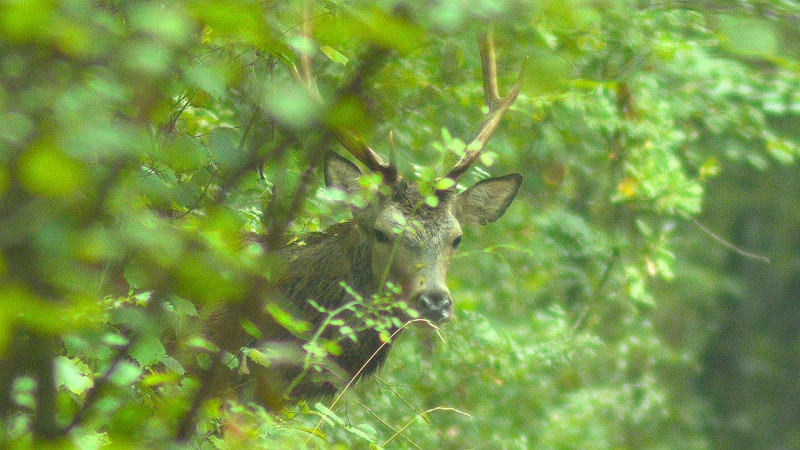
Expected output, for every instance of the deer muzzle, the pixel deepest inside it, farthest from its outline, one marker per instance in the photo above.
(434, 305)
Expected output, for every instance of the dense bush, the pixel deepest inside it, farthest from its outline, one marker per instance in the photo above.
(139, 139)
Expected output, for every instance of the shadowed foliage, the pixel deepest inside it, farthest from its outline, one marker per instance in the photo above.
(157, 157)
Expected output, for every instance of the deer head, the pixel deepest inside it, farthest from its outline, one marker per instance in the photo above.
(410, 243)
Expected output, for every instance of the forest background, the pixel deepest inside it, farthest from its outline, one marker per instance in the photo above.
(641, 292)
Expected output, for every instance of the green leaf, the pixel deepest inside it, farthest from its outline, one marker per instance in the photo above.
(183, 307)
(432, 201)
(136, 274)
(710, 168)
(284, 319)
(185, 154)
(204, 344)
(334, 55)
(157, 378)
(445, 184)
(258, 357)
(148, 350)
(333, 348)
(783, 150)
(251, 329)
(348, 331)
(26, 21)
(115, 340)
(387, 30)
(446, 136)
(125, 373)
(173, 365)
(203, 361)
(488, 158)
(47, 171)
(70, 376)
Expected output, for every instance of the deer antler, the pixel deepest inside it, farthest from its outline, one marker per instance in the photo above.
(361, 151)
(351, 141)
(497, 105)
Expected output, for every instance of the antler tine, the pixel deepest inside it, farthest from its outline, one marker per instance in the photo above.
(361, 151)
(497, 105)
(349, 140)
(491, 94)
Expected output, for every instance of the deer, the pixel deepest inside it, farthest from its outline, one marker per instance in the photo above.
(397, 247)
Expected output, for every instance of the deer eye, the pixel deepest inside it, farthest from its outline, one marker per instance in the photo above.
(380, 236)
(456, 242)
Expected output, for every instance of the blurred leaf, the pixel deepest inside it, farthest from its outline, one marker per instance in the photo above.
(115, 340)
(125, 373)
(251, 329)
(710, 168)
(141, 142)
(71, 377)
(185, 154)
(284, 319)
(445, 184)
(45, 170)
(783, 150)
(749, 36)
(231, 19)
(154, 379)
(349, 113)
(26, 21)
(207, 78)
(258, 357)
(161, 21)
(334, 55)
(547, 74)
(432, 201)
(224, 147)
(386, 30)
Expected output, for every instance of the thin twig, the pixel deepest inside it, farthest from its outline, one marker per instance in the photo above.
(410, 406)
(387, 425)
(722, 241)
(438, 408)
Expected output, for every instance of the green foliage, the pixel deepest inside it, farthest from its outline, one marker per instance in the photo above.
(140, 140)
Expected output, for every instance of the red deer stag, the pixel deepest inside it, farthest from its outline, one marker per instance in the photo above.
(395, 239)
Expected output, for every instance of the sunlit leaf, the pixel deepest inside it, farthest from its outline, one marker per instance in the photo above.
(445, 184)
(71, 377)
(45, 170)
(334, 55)
(286, 320)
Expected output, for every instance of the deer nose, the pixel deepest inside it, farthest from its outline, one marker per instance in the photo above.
(435, 305)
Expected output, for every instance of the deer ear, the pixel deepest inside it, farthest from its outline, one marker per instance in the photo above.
(341, 174)
(487, 200)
